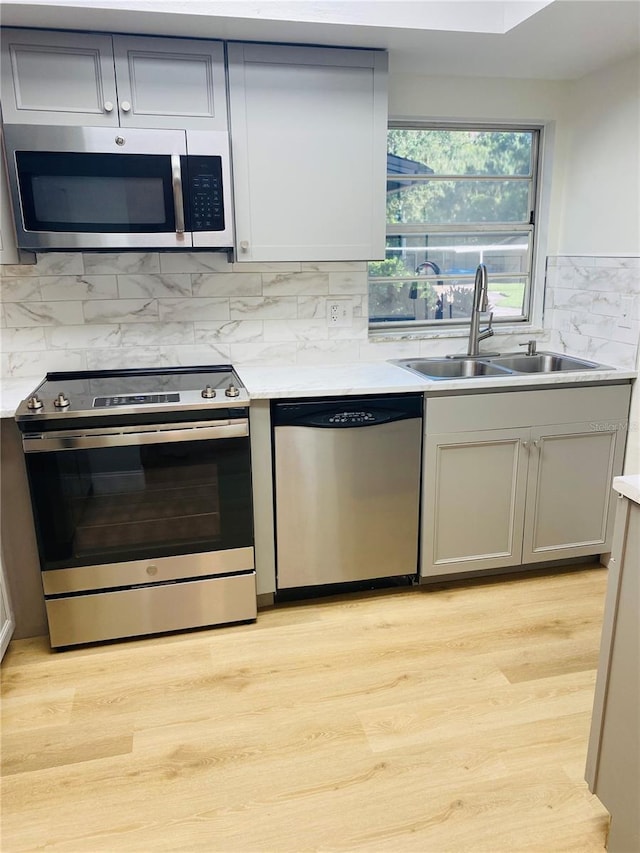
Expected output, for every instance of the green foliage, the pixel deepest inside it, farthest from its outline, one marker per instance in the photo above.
(465, 155)
(388, 268)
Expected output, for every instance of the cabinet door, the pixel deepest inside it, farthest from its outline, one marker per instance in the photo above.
(473, 500)
(569, 496)
(7, 622)
(308, 129)
(58, 78)
(170, 83)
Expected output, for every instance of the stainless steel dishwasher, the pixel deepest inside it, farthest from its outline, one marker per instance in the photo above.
(347, 488)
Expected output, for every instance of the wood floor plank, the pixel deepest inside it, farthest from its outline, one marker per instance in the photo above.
(437, 720)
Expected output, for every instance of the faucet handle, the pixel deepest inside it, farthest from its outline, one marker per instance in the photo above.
(530, 345)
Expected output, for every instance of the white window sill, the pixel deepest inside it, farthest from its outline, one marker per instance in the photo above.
(380, 335)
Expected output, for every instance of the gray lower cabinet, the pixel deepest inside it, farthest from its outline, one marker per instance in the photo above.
(66, 78)
(613, 760)
(532, 486)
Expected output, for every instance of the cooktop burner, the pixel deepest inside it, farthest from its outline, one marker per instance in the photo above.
(106, 392)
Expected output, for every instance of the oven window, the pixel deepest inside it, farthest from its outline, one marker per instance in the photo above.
(138, 502)
(107, 193)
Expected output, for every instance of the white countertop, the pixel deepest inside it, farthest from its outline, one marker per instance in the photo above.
(13, 391)
(348, 379)
(629, 486)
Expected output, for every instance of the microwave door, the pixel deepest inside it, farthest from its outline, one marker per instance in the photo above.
(97, 188)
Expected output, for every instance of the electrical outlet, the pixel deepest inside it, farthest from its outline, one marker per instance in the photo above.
(340, 312)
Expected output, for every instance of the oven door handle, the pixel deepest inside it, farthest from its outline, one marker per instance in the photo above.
(48, 442)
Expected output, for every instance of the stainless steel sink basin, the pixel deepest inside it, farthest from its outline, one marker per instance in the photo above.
(542, 363)
(450, 368)
(512, 364)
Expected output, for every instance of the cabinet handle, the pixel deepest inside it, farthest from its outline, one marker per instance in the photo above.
(525, 444)
(125, 106)
(244, 245)
(108, 107)
(536, 444)
(176, 183)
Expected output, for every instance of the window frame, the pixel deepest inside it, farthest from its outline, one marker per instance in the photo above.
(535, 228)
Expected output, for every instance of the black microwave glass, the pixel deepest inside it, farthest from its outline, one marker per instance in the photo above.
(118, 193)
(96, 193)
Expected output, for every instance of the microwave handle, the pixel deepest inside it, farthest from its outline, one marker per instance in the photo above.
(176, 183)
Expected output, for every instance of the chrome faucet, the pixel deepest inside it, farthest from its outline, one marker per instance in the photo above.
(480, 305)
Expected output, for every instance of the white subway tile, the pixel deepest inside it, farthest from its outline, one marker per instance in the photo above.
(348, 282)
(194, 262)
(267, 266)
(20, 289)
(100, 263)
(327, 352)
(23, 340)
(263, 308)
(230, 331)
(59, 263)
(194, 308)
(295, 284)
(263, 353)
(295, 330)
(63, 287)
(43, 313)
(154, 286)
(334, 266)
(156, 334)
(107, 311)
(44, 361)
(82, 337)
(229, 284)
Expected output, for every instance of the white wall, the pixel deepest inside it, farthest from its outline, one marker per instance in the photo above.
(600, 209)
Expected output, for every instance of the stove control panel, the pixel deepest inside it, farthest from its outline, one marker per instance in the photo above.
(134, 400)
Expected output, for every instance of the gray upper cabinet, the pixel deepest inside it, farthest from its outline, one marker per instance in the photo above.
(66, 78)
(58, 78)
(308, 131)
(172, 83)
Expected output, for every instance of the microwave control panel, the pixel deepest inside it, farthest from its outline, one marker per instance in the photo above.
(205, 194)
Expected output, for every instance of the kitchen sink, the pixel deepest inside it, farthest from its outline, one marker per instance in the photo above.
(449, 368)
(542, 363)
(509, 364)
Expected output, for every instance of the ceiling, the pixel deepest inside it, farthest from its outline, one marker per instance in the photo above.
(559, 40)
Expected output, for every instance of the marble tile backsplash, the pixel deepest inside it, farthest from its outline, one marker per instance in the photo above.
(75, 311)
(592, 307)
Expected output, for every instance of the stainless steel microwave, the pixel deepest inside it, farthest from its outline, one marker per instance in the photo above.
(98, 188)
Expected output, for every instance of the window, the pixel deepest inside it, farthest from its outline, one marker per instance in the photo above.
(456, 197)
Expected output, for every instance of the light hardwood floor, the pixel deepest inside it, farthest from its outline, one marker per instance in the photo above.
(436, 720)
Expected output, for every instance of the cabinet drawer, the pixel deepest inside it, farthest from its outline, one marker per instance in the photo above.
(460, 413)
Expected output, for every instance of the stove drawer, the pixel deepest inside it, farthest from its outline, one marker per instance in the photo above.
(151, 609)
(106, 576)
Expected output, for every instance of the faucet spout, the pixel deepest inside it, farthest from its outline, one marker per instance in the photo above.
(480, 305)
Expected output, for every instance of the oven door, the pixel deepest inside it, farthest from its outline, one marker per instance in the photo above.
(129, 494)
(97, 188)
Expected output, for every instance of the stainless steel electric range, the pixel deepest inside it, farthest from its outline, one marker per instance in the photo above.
(140, 485)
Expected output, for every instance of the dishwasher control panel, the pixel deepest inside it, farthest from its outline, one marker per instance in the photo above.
(352, 418)
(346, 412)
